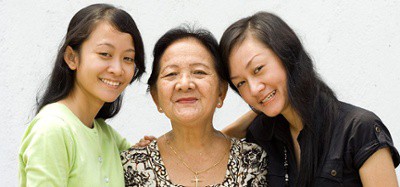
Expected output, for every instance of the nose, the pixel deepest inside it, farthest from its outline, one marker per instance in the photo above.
(115, 67)
(255, 86)
(185, 83)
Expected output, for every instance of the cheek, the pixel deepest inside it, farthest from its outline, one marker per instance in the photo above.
(247, 97)
(283, 88)
(283, 82)
(209, 87)
(164, 92)
(82, 75)
(129, 71)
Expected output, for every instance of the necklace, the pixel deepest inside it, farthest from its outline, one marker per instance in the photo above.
(196, 179)
(285, 165)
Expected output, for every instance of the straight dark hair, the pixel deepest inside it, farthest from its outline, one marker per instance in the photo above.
(205, 37)
(311, 98)
(80, 27)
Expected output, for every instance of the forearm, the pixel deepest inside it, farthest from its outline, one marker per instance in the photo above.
(239, 127)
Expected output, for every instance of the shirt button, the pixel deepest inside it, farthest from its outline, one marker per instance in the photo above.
(106, 180)
(377, 129)
(100, 159)
(333, 173)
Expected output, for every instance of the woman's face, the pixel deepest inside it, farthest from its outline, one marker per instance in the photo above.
(105, 64)
(187, 87)
(259, 75)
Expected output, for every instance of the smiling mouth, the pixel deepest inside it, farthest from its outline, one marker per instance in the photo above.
(186, 100)
(269, 97)
(110, 83)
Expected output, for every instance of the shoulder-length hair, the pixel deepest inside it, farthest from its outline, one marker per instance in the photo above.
(80, 27)
(311, 98)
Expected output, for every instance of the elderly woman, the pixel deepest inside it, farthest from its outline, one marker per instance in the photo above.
(187, 86)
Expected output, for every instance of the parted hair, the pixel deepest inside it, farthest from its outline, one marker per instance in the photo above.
(80, 27)
(311, 98)
(204, 36)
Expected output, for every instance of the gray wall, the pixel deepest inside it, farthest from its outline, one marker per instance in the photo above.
(355, 45)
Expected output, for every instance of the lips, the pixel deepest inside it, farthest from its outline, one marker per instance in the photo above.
(186, 100)
(268, 97)
(109, 82)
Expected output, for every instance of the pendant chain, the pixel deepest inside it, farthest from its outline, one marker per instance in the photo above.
(285, 165)
(196, 173)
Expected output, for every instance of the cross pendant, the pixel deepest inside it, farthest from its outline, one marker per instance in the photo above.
(196, 180)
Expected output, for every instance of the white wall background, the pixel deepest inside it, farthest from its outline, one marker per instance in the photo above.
(355, 45)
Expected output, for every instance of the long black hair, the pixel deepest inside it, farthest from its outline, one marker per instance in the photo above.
(80, 27)
(310, 97)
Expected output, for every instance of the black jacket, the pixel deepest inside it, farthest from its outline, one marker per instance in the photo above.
(357, 134)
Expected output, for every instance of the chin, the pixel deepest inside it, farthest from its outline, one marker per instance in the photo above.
(270, 113)
(187, 118)
(109, 99)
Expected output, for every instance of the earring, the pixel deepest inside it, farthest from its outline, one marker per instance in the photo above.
(219, 105)
(160, 109)
(255, 110)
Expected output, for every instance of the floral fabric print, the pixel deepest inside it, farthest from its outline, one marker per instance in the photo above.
(247, 166)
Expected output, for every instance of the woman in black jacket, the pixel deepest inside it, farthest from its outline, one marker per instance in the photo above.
(312, 138)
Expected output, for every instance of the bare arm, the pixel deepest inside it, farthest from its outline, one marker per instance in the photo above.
(239, 127)
(378, 170)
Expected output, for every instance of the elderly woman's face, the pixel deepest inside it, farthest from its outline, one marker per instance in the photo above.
(188, 87)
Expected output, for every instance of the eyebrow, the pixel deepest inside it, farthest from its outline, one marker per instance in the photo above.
(166, 67)
(247, 65)
(176, 66)
(112, 46)
(200, 64)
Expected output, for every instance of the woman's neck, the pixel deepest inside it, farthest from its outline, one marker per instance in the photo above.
(83, 107)
(192, 148)
(295, 126)
(295, 122)
(188, 137)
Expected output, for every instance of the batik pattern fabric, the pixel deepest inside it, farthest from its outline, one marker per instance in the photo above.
(247, 166)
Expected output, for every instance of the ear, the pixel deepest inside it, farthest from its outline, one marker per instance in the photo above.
(154, 95)
(71, 58)
(223, 88)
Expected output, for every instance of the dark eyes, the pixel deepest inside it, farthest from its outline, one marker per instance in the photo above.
(171, 74)
(258, 69)
(126, 59)
(200, 72)
(239, 84)
(197, 72)
(105, 54)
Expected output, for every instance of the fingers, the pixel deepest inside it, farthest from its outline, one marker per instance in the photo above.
(145, 141)
(142, 143)
(151, 138)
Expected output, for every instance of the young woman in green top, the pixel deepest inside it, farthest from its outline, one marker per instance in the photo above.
(68, 143)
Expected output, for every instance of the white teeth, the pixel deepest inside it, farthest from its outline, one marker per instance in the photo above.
(272, 94)
(111, 83)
